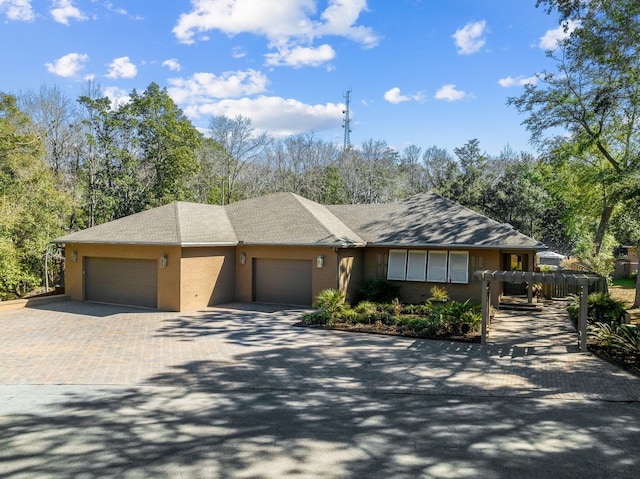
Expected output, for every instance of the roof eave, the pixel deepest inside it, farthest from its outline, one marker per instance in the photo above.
(455, 246)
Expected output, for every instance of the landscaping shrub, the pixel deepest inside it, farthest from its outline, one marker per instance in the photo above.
(624, 337)
(367, 309)
(438, 293)
(378, 290)
(320, 318)
(330, 301)
(417, 320)
(602, 308)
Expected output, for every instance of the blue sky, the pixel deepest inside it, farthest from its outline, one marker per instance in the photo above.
(422, 72)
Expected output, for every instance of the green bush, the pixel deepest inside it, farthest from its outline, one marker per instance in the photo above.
(351, 316)
(438, 293)
(602, 308)
(423, 327)
(378, 290)
(624, 338)
(418, 309)
(330, 301)
(321, 318)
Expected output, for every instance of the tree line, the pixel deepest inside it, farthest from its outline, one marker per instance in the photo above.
(67, 164)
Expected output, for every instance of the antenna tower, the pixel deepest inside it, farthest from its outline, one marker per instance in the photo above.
(346, 122)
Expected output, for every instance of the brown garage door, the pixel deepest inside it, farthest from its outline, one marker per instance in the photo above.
(121, 281)
(282, 281)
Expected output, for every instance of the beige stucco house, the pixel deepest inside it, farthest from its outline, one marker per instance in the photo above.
(283, 248)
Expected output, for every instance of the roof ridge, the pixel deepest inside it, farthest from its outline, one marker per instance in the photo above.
(299, 198)
(176, 211)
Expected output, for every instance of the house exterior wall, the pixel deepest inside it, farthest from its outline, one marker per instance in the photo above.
(351, 272)
(321, 278)
(419, 291)
(207, 277)
(168, 277)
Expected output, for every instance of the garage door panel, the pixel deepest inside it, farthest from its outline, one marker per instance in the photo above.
(282, 281)
(122, 281)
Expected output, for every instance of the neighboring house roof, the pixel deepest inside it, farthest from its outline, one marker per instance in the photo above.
(550, 255)
(288, 219)
(428, 219)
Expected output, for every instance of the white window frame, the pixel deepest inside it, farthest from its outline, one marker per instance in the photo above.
(437, 267)
(416, 265)
(456, 272)
(397, 262)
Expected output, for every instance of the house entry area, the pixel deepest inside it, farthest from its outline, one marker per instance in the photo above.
(282, 281)
(515, 262)
(582, 280)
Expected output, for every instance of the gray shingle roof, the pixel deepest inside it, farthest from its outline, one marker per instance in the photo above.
(288, 219)
(428, 219)
(178, 223)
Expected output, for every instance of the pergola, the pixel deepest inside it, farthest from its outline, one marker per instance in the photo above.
(565, 277)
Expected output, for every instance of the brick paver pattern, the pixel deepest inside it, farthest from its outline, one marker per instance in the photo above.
(250, 347)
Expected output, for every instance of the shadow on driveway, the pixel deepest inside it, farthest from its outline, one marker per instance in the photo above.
(278, 401)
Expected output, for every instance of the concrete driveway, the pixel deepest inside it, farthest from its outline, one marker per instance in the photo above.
(101, 391)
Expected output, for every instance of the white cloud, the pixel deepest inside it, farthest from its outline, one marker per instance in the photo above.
(470, 38)
(517, 81)
(339, 19)
(17, 10)
(290, 26)
(68, 65)
(301, 56)
(552, 38)
(122, 68)
(118, 96)
(448, 92)
(204, 87)
(63, 10)
(238, 52)
(394, 96)
(172, 64)
(278, 116)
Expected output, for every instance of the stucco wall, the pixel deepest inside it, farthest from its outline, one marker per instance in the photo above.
(168, 277)
(321, 278)
(208, 277)
(351, 272)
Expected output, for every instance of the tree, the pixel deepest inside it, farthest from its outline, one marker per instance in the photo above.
(33, 207)
(167, 143)
(440, 170)
(240, 144)
(594, 96)
(139, 154)
(369, 173)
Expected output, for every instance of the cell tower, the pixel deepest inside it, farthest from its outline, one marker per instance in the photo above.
(346, 122)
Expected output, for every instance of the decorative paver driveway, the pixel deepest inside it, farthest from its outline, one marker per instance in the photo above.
(97, 391)
(528, 355)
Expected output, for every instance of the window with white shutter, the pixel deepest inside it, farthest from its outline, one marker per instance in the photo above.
(416, 265)
(397, 264)
(437, 267)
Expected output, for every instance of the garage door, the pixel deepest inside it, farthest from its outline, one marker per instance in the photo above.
(121, 281)
(282, 281)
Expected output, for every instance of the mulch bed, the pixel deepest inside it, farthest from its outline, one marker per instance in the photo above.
(630, 362)
(470, 337)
